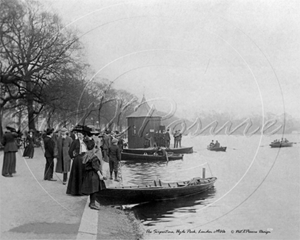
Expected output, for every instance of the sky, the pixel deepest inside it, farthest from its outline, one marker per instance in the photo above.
(239, 57)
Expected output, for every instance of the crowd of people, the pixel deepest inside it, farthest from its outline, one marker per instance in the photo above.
(85, 148)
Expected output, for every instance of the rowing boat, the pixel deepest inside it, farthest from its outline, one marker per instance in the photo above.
(149, 157)
(182, 150)
(281, 144)
(217, 149)
(156, 191)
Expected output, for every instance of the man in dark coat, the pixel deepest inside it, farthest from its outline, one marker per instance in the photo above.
(114, 154)
(167, 139)
(50, 155)
(63, 159)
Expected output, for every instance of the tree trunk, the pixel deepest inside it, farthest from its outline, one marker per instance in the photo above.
(20, 120)
(49, 121)
(31, 122)
(1, 117)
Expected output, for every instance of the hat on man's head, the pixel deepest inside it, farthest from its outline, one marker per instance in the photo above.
(63, 130)
(49, 131)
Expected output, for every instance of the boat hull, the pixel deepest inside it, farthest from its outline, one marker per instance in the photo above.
(149, 193)
(280, 145)
(184, 150)
(219, 149)
(141, 157)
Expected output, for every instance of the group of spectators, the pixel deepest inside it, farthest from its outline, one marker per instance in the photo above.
(163, 139)
(87, 149)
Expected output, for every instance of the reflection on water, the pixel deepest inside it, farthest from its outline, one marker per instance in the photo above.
(150, 213)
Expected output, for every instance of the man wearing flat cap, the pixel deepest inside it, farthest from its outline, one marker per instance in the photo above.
(50, 155)
(63, 158)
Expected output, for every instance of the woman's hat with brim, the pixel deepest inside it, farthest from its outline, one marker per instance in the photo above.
(11, 129)
(94, 132)
(82, 129)
(78, 128)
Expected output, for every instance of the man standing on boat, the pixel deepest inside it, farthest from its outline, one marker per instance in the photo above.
(179, 138)
(176, 138)
(167, 139)
(114, 154)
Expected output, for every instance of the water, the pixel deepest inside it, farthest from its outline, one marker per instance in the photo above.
(257, 191)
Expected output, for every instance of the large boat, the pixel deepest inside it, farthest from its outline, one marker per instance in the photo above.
(157, 191)
(217, 149)
(149, 157)
(281, 144)
(182, 150)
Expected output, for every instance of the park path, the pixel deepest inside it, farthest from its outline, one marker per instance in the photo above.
(32, 208)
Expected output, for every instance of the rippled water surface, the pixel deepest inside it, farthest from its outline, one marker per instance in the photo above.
(257, 191)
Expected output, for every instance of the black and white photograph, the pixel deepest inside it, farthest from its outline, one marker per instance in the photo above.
(150, 119)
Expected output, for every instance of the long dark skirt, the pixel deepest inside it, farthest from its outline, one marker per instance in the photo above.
(29, 151)
(9, 163)
(91, 183)
(76, 175)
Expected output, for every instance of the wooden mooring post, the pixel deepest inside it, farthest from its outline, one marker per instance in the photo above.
(203, 172)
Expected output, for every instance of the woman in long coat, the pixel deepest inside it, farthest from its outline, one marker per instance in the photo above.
(29, 149)
(92, 177)
(10, 149)
(63, 163)
(76, 152)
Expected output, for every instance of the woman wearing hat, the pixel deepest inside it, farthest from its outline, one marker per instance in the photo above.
(76, 152)
(29, 146)
(92, 178)
(10, 149)
(114, 154)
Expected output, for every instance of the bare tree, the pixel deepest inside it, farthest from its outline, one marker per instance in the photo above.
(34, 49)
